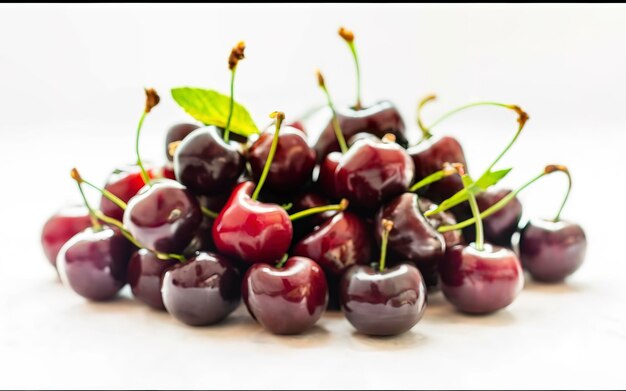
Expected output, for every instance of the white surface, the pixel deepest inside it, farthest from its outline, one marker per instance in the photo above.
(70, 94)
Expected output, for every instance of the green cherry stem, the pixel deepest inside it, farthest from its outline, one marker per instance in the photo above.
(426, 134)
(341, 206)
(208, 212)
(467, 182)
(387, 227)
(505, 200)
(279, 117)
(447, 170)
(152, 99)
(282, 261)
(107, 194)
(95, 224)
(338, 133)
(236, 54)
(565, 170)
(348, 36)
(287, 206)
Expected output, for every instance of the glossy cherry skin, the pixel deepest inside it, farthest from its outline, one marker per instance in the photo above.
(124, 183)
(202, 291)
(479, 282)
(500, 226)
(551, 251)
(379, 119)
(206, 164)
(177, 133)
(412, 238)
(60, 228)
(163, 217)
(145, 274)
(337, 244)
(293, 162)
(286, 300)
(305, 225)
(326, 176)
(429, 156)
(383, 303)
(94, 264)
(252, 231)
(451, 238)
(372, 173)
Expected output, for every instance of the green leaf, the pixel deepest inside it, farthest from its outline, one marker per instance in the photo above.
(489, 178)
(211, 108)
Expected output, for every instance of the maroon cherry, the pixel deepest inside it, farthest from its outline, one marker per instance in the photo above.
(370, 173)
(337, 244)
(125, 183)
(326, 176)
(287, 299)
(500, 226)
(60, 228)
(380, 301)
(304, 201)
(203, 290)
(293, 162)
(480, 278)
(553, 249)
(164, 217)
(93, 263)
(206, 164)
(176, 134)
(145, 274)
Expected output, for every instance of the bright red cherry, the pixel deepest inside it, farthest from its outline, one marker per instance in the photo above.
(203, 290)
(124, 183)
(145, 274)
(60, 228)
(287, 299)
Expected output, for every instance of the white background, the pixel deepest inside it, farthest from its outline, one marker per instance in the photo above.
(71, 80)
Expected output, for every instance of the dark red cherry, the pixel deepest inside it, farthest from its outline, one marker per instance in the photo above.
(413, 238)
(480, 282)
(163, 217)
(379, 119)
(371, 173)
(202, 291)
(429, 156)
(60, 228)
(451, 238)
(326, 176)
(177, 133)
(145, 274)
(94, 264)
(206, 164)
(500, 226)
(293, 162)
(305, 225)
(252, 231)
(550, 250)
(337, 244)
(124, 183)
(286, 300)
(387, 302)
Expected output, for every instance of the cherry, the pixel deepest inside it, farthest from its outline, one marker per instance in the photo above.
(249, 230)
(553, 249)
(326, 177)
(479, 278)
(125, 183)
(293, 162)
(337, 244)
(500, 226)
(202, 291)
(380, 301)
(164, 217)
(370, 173)
(60, 228)
(206, 164)
(287, 299)
(306, 225)
(378, 119)
(145, 274)
(175, 134)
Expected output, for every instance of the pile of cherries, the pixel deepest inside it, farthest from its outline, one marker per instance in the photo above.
(298, 220)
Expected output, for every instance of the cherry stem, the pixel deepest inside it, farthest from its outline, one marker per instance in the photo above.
(563, 169)
(341, 206)
(287, 206)
(282, 261)
(279, 116)
(336, 127)
(92, 214)
(348, 36)
(208, 212)
(236, 54)
(471, 198)
(152, 99)
(425, 131)
(387, 227)
(448, 169)
(107, 194)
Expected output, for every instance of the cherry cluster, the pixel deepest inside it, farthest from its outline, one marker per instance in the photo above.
(297, 220)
